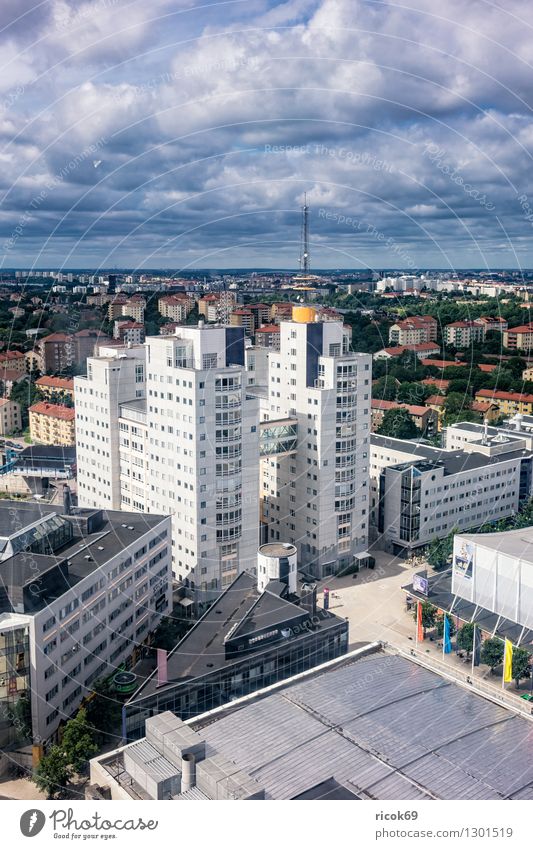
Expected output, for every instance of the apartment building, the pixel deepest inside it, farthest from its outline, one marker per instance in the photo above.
(133, 308)
(519, 338)
(176, 307)
(425, 418)
(267, 336)
(55, 388)
(169, 426)
(494, 323)
(462, 334)
(419, 493)
(88, 587)
(413, 330)
(52, 424)
(13, 361)
(129, 332)
(509, 403)
(217, 306)
(10, 417)
(315, 494)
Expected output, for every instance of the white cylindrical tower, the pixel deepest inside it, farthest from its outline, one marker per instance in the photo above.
(277, 561)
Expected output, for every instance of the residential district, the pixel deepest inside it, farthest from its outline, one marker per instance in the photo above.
(266, 536)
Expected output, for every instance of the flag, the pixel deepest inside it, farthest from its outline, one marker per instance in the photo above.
(419, 625)
(446, 643)
(162, 674)
(476, 647)
(508, 662)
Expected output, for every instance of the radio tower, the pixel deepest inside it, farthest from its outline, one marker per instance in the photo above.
(304, 255)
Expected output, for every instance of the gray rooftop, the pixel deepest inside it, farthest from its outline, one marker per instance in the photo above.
(453, 462)
(517, 544)
(80, 557)
(383, 727)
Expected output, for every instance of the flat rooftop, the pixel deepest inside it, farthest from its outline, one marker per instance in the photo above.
(241, 610)
(452, 462)
(85, 553)
(381, 726)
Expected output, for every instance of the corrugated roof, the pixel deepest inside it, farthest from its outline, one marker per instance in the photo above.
(385, 727)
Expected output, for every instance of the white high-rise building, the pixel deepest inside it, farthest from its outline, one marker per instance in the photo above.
(171, 423)
(316, 497)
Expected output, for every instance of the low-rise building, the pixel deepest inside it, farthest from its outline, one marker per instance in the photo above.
(491, 322)
(52, 424)
(261, 629)
(424, 418)
(423, 350)
(508, 403)
(419, 493)
(55, 388)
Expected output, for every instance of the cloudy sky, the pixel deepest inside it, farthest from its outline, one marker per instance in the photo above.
(182, 134)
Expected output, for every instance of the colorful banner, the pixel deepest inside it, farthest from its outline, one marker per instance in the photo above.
(447, 641)
(162, 674)
(419, 625)
(508, 662)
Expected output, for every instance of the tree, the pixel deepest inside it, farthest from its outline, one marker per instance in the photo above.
(104, 709)
(521, 667)
(78, 743)
(24, 393)
(465, 637)
(385, 388)
(440, 625)
(398, 424)
(413, 393)
(439, 551)
(492, 653)
(53, 773)
(429, 615)
(169, 631)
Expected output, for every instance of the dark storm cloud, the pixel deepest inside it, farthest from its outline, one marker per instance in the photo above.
(210, 123)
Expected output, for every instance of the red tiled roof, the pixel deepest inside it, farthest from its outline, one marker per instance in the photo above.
(56, 382)
(499, 395)
(55, 411)
(413, 409)
(57, 337)
(11, 355)
(522, 328)
(269, 328)
(440, 363)
(436, 400)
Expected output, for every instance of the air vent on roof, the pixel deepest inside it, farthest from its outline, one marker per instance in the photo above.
(131, 528)
(100, 548)
(123, 525)
(87, 557)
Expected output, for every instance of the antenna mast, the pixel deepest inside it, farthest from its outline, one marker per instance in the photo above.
(304, 254)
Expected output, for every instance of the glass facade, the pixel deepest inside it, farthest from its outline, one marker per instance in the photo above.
(15, 713)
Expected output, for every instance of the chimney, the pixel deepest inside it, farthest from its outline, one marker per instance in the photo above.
(188, 772)
(67, 500)
(485, 431)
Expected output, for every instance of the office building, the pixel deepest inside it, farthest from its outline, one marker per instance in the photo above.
(419, 493)
(258, 632)
(90, 587)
